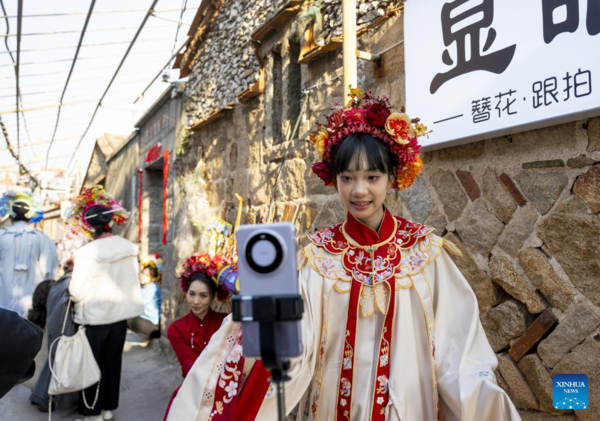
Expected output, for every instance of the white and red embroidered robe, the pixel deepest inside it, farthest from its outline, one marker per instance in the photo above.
(391, 331)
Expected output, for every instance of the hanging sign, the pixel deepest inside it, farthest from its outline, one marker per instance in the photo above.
(476, 69)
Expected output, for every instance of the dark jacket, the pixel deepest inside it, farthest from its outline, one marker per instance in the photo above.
(21, 341)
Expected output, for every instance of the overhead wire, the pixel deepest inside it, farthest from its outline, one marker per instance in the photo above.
(140, 96)
(17, 68)
(143, 23)
(22, 168)
(100, 44)
(98, 12)
(173, 52)
(63, 60)
(119, 28)
(62, 97)
(14, 64)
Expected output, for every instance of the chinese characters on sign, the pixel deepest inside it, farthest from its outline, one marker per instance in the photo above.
(482, 68)
(553, 26)
(495, 62)
(545, 93)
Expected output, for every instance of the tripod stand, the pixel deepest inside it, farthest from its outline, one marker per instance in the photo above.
(267, 311)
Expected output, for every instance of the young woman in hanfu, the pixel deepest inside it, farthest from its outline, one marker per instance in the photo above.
(391, 328)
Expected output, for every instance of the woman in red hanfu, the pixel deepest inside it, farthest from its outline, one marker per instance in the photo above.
(190, 334)
(391, 328)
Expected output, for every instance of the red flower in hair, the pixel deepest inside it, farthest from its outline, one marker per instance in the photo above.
(377, 114)
(355, 116)
(322, 171)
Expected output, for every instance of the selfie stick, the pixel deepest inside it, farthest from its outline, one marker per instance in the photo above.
(267, 311)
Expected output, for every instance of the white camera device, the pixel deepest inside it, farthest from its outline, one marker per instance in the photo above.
(268, 274)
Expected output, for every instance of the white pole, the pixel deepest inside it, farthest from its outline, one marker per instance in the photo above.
(349, 49)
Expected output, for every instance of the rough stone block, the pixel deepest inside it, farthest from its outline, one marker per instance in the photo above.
(571, 235)
(504, 274)
(258, 188)
(553, 163)
(542, 189)
(541, 274)
(463, 152)
(540, 382)
(437, 220)
(512, 189)
(518, 230)
(479, 228)
(594, 135)
(417, 200)
(503, 323)
(451, 195)
(325, 218)
(469, 184)
(580, 162)
(496, 194)
(519, 391)
(584, 359)
(291, 184)
(488, 294)
(581, 320)
(533, 334)
(587, 187)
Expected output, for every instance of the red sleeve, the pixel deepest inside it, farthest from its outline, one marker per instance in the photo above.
(182, 348)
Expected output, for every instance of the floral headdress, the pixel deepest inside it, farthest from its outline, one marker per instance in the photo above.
(155, 261)
(96, 196)
(372, 115)
(218, 268)
(32, 204)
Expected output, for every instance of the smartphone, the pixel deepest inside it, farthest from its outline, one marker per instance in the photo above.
(267, 267)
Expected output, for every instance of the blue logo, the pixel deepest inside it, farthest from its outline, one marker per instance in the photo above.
(570, 391)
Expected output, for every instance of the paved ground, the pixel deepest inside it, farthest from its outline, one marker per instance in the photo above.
(147, 382)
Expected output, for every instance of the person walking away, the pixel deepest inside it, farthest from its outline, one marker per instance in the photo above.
(148, 324)
(27, 256)
(56, 307)
(190, 334)
(106, 291)
(37, 316)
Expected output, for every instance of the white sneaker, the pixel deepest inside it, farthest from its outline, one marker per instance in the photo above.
(108, 416)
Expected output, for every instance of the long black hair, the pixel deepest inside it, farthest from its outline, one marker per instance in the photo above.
(37, 313)
(358, 148)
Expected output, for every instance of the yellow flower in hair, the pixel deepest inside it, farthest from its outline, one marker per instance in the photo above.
(421, 129)
(398, 126)
(320, 139)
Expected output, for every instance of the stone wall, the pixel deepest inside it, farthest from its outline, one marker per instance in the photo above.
(523, 209)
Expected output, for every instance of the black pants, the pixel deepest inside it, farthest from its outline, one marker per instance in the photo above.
(143, 327)
(107, 343)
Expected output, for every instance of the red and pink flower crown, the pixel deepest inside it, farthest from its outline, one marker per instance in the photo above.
(201, 263)
(372, 115)
(90, 197)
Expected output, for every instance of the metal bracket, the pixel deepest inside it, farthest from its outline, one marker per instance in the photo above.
(363, 55)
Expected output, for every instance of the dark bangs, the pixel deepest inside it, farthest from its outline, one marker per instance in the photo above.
(359, 148)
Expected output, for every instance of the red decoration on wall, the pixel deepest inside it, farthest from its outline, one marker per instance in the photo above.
(165, 193)
(140, 200)
(153, 153)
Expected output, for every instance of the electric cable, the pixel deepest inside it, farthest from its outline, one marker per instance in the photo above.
(62, 97)
(17, 66)
(148, 14)
(98, 12)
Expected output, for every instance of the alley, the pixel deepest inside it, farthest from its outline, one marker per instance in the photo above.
(147, 382)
